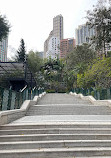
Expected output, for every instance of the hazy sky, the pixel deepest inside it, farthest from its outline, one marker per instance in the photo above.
(32, 20)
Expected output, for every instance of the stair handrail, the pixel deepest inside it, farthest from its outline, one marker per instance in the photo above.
(23, 89)
(34, 88)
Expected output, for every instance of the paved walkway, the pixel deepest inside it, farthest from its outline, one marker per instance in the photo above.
(57, 105)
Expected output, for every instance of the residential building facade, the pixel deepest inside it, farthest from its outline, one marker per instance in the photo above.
(58, 26)
(53, 51)
(56, 34)
(3, 50)
(66, 46)
(46, 43)
(83, 34)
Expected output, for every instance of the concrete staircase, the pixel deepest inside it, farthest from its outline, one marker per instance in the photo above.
(59, 126)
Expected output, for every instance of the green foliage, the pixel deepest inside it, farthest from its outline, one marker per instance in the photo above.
(80, 55)
(34, 61)
(53, 74)
(77, 63)
(4, 27)
(80, 80)
(84, 70)
(70, 77)
(56, 86)
(98, 74)
(50, 91)
(109, 54)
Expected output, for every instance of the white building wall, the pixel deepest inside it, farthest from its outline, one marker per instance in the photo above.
(53, 48)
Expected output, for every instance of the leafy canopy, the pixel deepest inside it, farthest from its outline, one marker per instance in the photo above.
(100, 19)
(80, 55)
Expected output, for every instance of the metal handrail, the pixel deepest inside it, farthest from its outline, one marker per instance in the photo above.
(10, 99)
(99, 94)
(34, 88)
(23, 89)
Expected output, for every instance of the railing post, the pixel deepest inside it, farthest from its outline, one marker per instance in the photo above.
(95, 94)
(108, 93)
(9, 99)
(18, 97)
(13, 100)
(1, 97)
(98, 95)
(89, 92)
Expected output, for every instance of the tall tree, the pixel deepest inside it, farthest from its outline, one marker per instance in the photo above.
(21, 53)
(80, 55)
(77, 62)
(100, 19)
(34, 61)
(4, 27)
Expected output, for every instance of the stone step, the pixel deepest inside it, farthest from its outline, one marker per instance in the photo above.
(57, 131)
(63, 105)
(61, 98)
(57, 125)
(69, 110)
(56, 152)
(47, 137)
(54, 144)
(64, 102)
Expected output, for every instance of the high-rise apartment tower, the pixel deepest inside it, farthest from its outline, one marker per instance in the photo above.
(84, 33)
(3, 50)
(58, 26)
(56, 33)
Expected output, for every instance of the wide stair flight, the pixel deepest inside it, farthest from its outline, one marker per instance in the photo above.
(59, 126)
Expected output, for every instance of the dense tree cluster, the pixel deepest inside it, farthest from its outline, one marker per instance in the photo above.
(100, 19)
(53, 75)
(77, 63)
